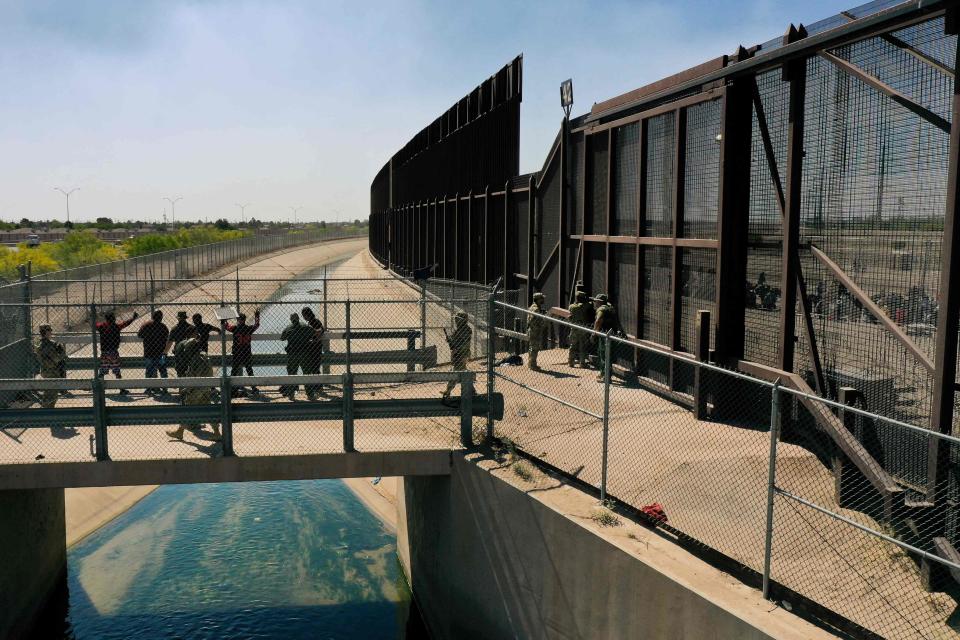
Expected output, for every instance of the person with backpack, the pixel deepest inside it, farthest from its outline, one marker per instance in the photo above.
(459, 343)
(606, 320)
(51, 356)
(196, 364)
(581, 314)
(109, 332)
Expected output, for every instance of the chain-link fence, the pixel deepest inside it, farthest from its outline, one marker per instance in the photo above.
(161, 275)
(295, 366)
(789, 491)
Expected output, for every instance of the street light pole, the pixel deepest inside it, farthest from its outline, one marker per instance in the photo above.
(243, 207)
(173, 207)
(67, 194)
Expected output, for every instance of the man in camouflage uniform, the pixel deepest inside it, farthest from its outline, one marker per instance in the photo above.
(606, 320)
(52, 357)
(459, 344)
(536, 330)
(299, 338)
(196, 364)
(582, 314)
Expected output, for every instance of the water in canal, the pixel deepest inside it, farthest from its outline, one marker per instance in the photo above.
(244, 560)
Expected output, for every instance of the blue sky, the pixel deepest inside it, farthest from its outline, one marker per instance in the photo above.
(299, 103)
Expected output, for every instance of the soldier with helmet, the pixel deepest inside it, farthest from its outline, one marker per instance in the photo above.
(536, 329)
(606, 320)
(459, 343)
(582, 314)
(52, 357)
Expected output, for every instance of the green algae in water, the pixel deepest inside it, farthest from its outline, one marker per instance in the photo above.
(255, 560)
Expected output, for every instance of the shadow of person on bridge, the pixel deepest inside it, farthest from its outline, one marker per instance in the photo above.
(61, 432)
(556, 374)
(213, 449)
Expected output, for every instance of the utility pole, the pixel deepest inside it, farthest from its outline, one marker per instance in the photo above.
(67, 194)
(173, 207)
(243, 207)
(295, 210)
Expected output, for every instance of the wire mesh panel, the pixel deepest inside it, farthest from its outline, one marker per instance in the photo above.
(450, 247)
(595, 267)
(495, 241)
(623, 284)
(657, 307)
(657, 288)
(626, 158)
(659, 168)
(873, 203)
(768, 150)
(548, 211)
(599, 160)
(701, 170)
(464, 244)
(623, 294)
(575, 183)
(519, 203)
(698, 287)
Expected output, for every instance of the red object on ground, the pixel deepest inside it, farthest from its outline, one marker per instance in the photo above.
(655, 512)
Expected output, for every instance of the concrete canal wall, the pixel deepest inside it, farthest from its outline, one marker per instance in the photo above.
(487, 557)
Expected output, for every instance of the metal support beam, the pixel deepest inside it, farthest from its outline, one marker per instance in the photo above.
(796, 74)
(948, 323)
(466, 408)
(562, 283)
(531, 215)
(875, 310)
(101, 448)
(701, 352)
(733, 208)
(348, 439)
(858, 73)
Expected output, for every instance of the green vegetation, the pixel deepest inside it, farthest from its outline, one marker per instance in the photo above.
(77, 249)
(522, 469)
(81, 246)
(605, 518)
(185, 237)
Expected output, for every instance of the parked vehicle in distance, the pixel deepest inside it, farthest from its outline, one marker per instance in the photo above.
(33, 240)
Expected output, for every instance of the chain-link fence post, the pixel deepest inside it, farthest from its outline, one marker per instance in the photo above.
(606, 416)
(423, 315)
(346, 333)
(466, 408)
(99, 394)
(153, 292)
(326, 323)
(101, 451)
(226, 412)
(775, 418)
(347, 393)
(26, 296)
(491, 356)
(93, 338)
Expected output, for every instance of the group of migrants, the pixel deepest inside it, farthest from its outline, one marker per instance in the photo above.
(596, 313)
(188, 344)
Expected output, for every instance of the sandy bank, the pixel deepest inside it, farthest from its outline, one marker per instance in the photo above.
(380, 499)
